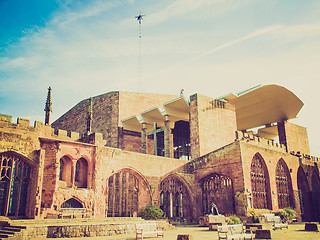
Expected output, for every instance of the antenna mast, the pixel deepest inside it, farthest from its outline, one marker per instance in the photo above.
(139, 19)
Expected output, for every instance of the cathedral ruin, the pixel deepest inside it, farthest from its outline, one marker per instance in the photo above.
(112, 155)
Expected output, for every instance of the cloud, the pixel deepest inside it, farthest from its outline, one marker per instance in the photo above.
(178, 8)
(244, 38)
(300, 31)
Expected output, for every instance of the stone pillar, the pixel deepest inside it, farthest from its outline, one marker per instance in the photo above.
(38, 186)
(144, 139)
(282, 134)
(167, 137)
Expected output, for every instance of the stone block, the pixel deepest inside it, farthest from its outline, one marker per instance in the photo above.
(5, 118)
(38, 124)
(184, 237)
(263, 234)
(312, 227)
(23, 122)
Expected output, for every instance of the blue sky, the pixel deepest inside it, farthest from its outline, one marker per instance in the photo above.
(83, 48)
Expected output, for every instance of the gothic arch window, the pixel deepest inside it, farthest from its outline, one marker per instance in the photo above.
(284, 185)
(260, 184)
(72, 203)
(175, 198)
(217, 189)
(304, 196)
(14, 183)
(65, 173)
(316, 194)
(123, 192)
(81, 174)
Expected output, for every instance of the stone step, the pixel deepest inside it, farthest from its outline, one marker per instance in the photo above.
(4, 236)
(119, 220)
(14, 229)
(7, 232)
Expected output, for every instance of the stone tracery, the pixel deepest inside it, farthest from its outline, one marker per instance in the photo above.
(217, 189)
(14, 183)
(175, 198)
(260, 183)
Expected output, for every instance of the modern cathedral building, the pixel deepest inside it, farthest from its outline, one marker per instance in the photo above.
(114, 154)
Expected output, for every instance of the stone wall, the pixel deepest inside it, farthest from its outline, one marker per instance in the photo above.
(215, 124)
(271, 155)
(297, 138)
(105, 110)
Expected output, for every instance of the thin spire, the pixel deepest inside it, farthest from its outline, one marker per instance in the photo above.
(89, 116)
(48, 107)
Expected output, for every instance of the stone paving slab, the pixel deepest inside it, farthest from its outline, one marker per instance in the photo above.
(295, 232)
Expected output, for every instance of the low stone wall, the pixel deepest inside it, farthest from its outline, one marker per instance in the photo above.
(81, 229)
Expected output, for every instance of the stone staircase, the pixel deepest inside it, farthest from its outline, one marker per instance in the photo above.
(11, 232)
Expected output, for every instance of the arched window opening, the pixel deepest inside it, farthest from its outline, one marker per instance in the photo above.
(65, 173)
(284, 185)
(81, 174)
(14, 182)
(72, 203)
(304, 196)
(260, 183)
(316, 195)
(61, 170)
(123, 190)
(217, 189)
(176, 201)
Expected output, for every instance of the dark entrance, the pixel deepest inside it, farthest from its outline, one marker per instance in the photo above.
(181, 140)
(14, 182)
(305, 196)
(316, 196)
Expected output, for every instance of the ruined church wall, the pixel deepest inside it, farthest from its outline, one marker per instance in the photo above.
(149, 167)
(105, 114)
(225, 161)
(22, 140)
(271, 155)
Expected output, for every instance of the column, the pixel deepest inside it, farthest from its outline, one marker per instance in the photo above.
(144, 139)
(167, 137)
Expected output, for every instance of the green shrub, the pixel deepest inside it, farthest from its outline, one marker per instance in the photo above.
(291, 213)
(255, 218)
(286, 214)
(151, 212)
(234, 219)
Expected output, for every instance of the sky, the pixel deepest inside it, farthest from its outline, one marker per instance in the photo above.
(83, 48)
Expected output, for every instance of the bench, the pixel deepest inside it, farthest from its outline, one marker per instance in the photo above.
(280, 226)
(143, 229)
(275, 221)
(236, 231)
(73, 212)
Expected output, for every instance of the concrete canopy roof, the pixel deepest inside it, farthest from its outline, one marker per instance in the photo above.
(175, 110)
(264, 105)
